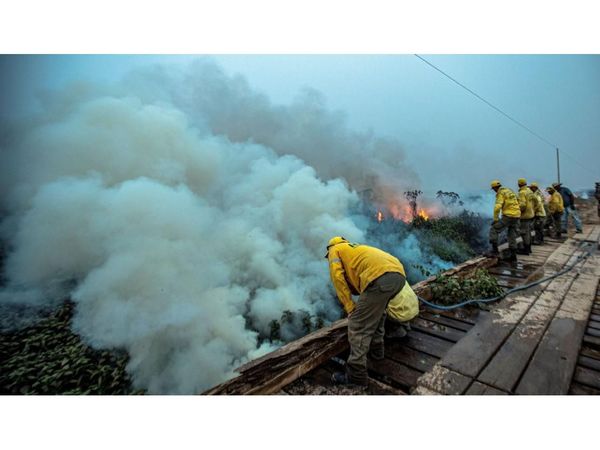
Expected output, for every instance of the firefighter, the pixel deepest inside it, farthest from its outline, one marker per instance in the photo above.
(508, 204)
(556, 208)
(527, 215)
(376, 277)
(540, 213)
(569, 205)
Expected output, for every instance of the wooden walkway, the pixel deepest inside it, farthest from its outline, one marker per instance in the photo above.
(529, 343)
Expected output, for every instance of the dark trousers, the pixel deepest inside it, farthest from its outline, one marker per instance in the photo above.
(366, 325)
(538, 225)
(511, 225)
(526, 231)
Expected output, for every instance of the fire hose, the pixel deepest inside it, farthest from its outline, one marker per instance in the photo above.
(508, 292)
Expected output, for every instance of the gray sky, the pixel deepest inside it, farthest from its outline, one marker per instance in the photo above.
(453, 139)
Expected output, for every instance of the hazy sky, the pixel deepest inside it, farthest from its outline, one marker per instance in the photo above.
(452, 139)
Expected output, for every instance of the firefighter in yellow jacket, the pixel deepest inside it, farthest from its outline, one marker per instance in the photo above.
(376, 277)
(507, 204)
(556, 209)
(526, 204)
(540, 213)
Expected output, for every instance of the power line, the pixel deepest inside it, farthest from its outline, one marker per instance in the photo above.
(501, 112)
(486, 102)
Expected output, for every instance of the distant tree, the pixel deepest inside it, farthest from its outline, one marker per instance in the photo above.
(449, 198)
(412, 196)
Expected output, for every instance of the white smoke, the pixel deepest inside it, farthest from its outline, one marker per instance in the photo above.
(173, 212)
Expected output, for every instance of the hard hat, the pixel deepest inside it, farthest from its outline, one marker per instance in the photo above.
(533, 184)
(334, 241)
(522, 182)
(495, 183)
(556, 185)
(549, 188)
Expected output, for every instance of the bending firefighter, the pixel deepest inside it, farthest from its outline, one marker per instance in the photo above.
(526, 204)
(507, 204)
(376, 276)
(540, 213)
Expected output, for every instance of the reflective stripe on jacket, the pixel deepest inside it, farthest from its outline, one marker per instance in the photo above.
(506, 201)
(353, 267)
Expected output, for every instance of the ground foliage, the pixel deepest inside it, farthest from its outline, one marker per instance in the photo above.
(48, 358)
(449, 290)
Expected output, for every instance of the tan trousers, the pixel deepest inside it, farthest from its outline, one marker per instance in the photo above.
(366, 325)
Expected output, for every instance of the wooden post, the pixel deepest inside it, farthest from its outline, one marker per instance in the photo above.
(557, 165)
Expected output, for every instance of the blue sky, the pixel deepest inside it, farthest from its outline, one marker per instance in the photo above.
(451, 138)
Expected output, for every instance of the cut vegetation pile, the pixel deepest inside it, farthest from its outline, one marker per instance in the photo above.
(48, 358)
(449, 290)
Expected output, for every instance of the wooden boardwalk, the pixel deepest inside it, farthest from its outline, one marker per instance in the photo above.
(530, 342)
(545, 340)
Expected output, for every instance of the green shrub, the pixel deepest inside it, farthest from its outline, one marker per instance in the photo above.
(449, 290)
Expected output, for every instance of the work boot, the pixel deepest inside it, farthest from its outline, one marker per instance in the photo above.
(528, 248)
(341, 378)
(400, 332)
(522, 251)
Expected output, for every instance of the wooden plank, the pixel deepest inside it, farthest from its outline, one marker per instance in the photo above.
(551, 368)
(466, 315)
(594, 324)
(590, 352)
(590, 363)
(580, 389)
(592, 341)
(435, 329)
(507, 365)
(453, 323)
(587, 376)
(271, 372)
(387, 370)
(475, 349)
(552, 365)
(444, 381)
(483, 389)
(595, 317)
(397, 351)
(427, 344)
(592, 332)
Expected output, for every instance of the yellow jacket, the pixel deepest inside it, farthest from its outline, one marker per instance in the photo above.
(526, 203)
(354, 266)
(555, 205)
(506, 201)
(538, 204)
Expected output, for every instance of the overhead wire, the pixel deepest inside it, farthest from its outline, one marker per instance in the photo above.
(491, 105)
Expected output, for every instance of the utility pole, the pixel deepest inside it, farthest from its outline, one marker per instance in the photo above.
(557, 165)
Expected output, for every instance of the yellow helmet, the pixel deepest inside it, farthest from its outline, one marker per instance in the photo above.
(533, 184)
(495, 183)
(522, 182)
(334, 241)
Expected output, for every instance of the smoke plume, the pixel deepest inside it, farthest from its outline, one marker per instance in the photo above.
(182, 212)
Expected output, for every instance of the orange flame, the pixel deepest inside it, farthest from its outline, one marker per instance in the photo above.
(423, 214)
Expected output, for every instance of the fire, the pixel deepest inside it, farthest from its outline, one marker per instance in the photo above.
(404, 213)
